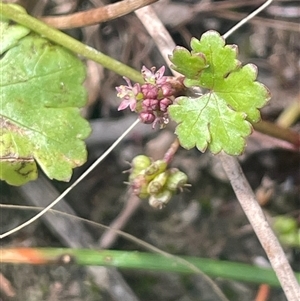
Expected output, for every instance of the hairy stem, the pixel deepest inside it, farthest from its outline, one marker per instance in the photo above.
(13, 13)
(261, 227)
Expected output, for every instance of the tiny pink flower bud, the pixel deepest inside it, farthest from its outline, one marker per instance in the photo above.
(147, 117)
(164, 103)
(149, 90)
(167, 90)
(150, 104)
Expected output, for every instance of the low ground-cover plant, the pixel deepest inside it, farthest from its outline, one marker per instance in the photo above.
(40, 122)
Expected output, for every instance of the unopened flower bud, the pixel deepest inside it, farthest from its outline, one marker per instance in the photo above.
(157, 184)
(155, 169)
(161, 199)
(164, 103)
(149, 91)
(147, 117)
(139, 163)
(176, 180)
(139, 186)
(167, 90)
(150, 104)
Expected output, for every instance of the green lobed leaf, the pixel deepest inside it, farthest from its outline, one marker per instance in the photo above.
(193, 63)
(205, 122)
(220, 118)
(41, 92)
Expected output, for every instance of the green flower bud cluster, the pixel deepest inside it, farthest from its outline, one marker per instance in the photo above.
(155, 181)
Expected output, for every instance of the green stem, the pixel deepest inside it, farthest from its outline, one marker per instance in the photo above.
(12, 12)
(290, 114)
(273, 130)
(142, 261)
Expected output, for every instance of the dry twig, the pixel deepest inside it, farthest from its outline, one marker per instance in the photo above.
(97, 15)
(261, 227)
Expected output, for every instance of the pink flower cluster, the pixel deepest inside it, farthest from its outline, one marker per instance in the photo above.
(151, 99)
